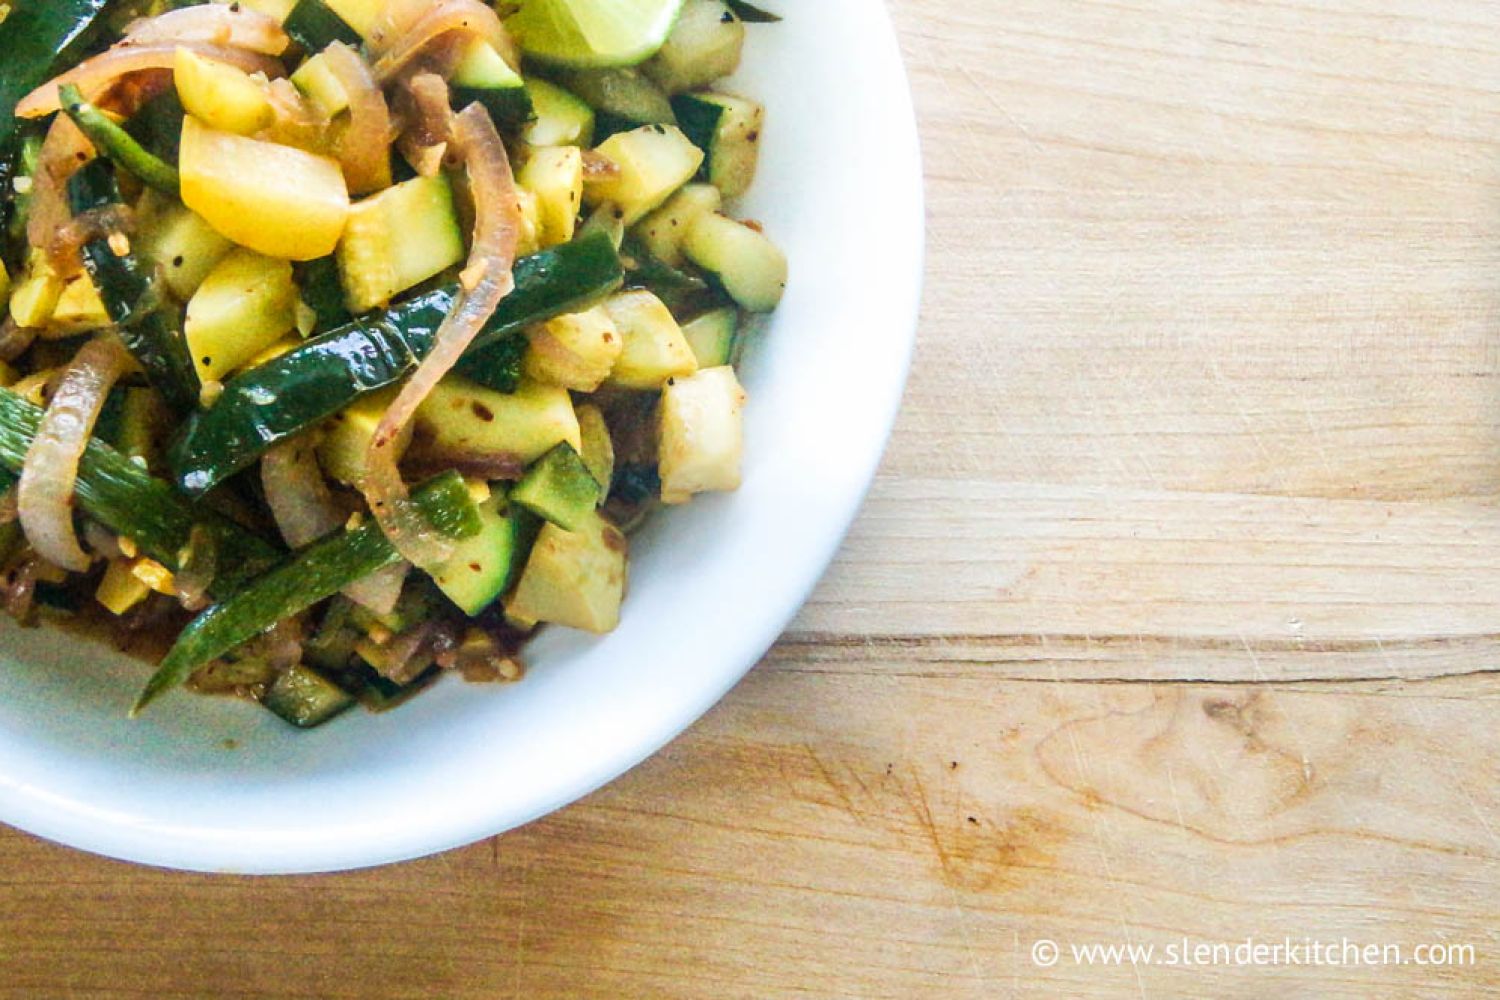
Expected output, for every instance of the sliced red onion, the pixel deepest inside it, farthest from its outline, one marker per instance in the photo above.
(296, 121)
(408, 27)
(64, 150)
(425, 103)
(402, 660)
(381, 589)
(95, 76)
(95, 535)
(45, 495)
(364, 146)
(305, 510)
(20, 590)
(64, 252)
(230, 25)
(298, 495)
(485, 281)
(14, 338)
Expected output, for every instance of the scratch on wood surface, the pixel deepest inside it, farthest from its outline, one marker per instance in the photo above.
(832, 783)
(927, 822)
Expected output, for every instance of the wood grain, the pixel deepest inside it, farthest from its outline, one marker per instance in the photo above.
(1174, 612)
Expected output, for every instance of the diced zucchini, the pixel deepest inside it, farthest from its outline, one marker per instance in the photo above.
(598, 451)
(154, 575)
(316, 24)
(34, 385)
(79, 309)
(559, 488)
(4, 284)
(701, 440)
(704, 46)
(398, 239)
(607, 219)
(464, 422)
(277, 10)
(574, 578)
(576, 351)
(35, 296)
(751, 268)
(232, 675)
(559, 118)
(728, 129)
(245, 304)
(654, 162)
(220, 95)
(360, 15)
(555, 175)
(530, 239)
(347, 440)
(321, 86)
(485, 566)
(276, 200)
(622, 99)
(712, 336)
(119, 589)
(306, 698)
(654, 347)
(664, 229)
(183, 245)
(415, 605)
(483, 75)
(332, 645)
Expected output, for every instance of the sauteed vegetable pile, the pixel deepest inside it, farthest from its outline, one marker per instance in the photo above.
(344, 342)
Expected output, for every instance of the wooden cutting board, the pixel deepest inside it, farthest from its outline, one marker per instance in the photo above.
(1174, 612)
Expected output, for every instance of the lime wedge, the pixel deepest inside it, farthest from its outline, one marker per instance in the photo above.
(593, 33)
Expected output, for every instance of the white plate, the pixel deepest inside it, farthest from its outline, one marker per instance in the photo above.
(712, 584)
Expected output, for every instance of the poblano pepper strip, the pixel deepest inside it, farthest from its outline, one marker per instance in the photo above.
(148, 324)
(131, 502)
(310, 383)
(114, 143)
(314, 574)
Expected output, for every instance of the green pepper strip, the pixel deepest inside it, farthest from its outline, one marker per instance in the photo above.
(311, 575)
(129, 501)
(114, 142)
(312, 382)
(148, 324)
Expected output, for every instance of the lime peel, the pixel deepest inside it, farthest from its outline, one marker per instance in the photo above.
(591, 34)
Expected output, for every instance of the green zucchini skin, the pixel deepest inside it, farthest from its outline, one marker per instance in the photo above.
(314, 27)
(311, 383)
(498, 366)
(114, 142)
(323, 292)
(683, 292)
(148, 326)
(510, 108)
(129, 501)
(307, 577)
(751, 14)
(305, 698)
(38, 36)
(157, 126)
